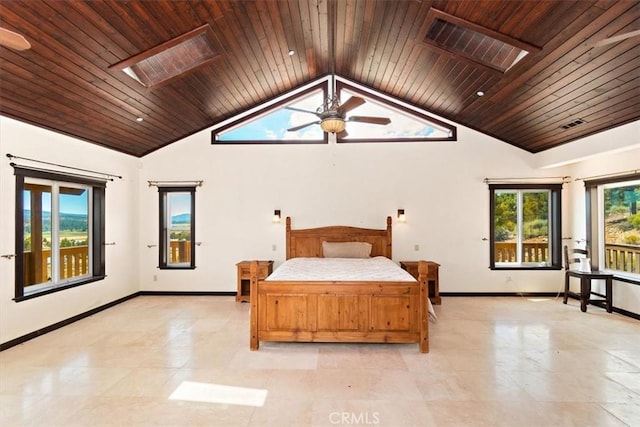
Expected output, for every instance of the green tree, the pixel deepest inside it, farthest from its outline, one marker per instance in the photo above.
(505, 216)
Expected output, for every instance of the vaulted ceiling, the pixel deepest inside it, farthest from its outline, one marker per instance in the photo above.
(580, 76)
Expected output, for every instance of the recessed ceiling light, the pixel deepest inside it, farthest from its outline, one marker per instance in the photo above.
(480, 93)
(139, 119)
(292, 52)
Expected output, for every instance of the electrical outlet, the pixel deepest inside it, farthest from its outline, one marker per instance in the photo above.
(509, 279)
(416, 247)
(155, 277)
(274, 247)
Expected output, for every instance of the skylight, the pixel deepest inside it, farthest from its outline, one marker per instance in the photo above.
(472, 42)
(172, 58)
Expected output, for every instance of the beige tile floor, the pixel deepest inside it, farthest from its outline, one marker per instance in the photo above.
(493, 362)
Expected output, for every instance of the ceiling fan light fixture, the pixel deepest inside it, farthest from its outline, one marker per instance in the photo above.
(333, 124)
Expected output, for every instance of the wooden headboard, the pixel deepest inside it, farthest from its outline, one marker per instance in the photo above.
(308, 242)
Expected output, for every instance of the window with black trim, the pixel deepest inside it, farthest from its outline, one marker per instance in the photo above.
(296, 119)
(292, 120)
(525, 226)
(613, 225)
(177, 227)
(406, 125)
(60, 224)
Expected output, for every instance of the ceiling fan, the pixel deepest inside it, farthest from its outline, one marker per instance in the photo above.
(332, 114)
(13, 40)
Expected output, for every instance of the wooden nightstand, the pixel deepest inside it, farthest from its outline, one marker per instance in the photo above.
(432, 278)
(265, 268)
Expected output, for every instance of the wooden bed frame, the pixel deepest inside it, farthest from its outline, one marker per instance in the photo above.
(332, 311)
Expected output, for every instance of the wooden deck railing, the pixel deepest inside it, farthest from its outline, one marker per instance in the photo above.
(74, 261)
(616, 257)
(180, 251)
(622, 258)
(532, 252)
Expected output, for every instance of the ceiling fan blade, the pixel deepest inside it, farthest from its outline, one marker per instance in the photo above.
(372, 120)
(616, 39)
(343, 134)
(13, 40)
(301, 110)
(350, 104)
(296, 128)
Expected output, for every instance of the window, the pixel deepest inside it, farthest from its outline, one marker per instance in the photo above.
(177, 227)
(290, 121)
(613, 225)
(525, 226)
(59, 232)
(406, 125)
(295, 119)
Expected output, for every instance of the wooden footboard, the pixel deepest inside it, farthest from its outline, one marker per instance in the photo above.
(324, 311)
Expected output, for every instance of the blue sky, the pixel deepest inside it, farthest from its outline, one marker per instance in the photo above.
(273, 125)
(69, 204)
(180, 203)
(72, 204)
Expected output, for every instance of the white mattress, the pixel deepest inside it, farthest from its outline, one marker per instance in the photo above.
(341, 269)
(344, 269)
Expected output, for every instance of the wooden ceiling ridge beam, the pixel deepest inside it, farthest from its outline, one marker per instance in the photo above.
(338, 24)
(354, 16)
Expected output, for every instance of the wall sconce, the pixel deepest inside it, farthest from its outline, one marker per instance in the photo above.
(401, 216)
(276, 216)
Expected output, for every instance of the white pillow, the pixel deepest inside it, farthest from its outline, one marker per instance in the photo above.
(346, 249)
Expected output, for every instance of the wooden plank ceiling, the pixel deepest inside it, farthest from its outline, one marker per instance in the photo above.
(66, 81)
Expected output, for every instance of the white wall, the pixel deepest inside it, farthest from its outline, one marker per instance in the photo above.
(440, 186)
(122, 216)
(624, 156)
